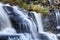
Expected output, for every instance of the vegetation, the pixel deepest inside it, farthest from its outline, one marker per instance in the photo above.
(33, 6)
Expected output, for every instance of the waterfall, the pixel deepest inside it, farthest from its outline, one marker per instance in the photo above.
(43, 35)
(58, 18)
(5, 25)
(48, 36)
(28, 22)
(29, 28)
(4, 20)
(24, 11)
(22, 37)
(38, 21)
(1, 4)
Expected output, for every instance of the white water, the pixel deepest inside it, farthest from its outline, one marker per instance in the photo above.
(8, 31)
(22, 37)
(39, 21)
(49, 35)
(45, 35)
(28, 22)
(4, 20)
(24, 11)
(58, 19)
(6, 4)
(5, 25)
(1, 4)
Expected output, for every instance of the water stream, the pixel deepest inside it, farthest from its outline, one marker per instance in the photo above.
(58, 18)
(27, 29)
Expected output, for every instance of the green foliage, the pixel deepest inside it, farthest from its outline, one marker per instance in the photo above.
(37, 8)
(40, 9)
(3, 1)
(43, 1)
(33, 7)
(8, 1)
(24, 5)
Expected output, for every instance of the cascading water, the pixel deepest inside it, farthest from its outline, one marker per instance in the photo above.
(1, 4)
(28, 22)
(38, 21)
(43, 35)
(48, 36)
(4, 21)
(19, 17)
(58, 18)
(5, 25)
(24, 11)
